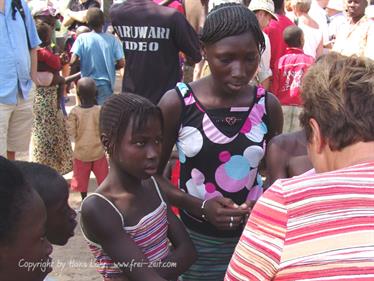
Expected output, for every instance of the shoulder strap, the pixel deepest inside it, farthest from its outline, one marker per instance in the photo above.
(182, 89)
(157, 188)
(185, 94)
(109, 202)
(17, 6)
(260, 92)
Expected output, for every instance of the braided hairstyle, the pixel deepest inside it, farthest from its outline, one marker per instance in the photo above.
(230, 19)
(119, 111)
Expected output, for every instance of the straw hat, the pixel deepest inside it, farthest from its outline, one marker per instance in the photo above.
(263, 5)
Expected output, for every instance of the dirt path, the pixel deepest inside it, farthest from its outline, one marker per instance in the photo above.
(74, 261)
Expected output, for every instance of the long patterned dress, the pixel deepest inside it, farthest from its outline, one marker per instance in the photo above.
(50, 141)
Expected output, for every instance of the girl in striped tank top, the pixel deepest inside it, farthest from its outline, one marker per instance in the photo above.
(126, 221)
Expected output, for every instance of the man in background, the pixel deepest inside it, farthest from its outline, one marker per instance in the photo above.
(18, 67)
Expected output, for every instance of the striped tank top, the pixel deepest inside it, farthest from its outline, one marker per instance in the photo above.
(150, 234)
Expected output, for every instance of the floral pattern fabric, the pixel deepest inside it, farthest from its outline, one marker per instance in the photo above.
(50, 142)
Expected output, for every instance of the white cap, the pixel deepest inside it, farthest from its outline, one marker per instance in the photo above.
(263, 5)
(337, 5)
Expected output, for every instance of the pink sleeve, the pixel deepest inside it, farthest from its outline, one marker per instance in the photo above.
(258, 253)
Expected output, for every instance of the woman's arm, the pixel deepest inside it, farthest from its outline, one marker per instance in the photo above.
(103, 225)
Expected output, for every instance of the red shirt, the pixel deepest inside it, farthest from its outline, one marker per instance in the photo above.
(288, 75)
(275, 32)
(49, 59)
(174, 4)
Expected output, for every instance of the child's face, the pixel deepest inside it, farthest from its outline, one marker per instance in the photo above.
(61, 220)
(140, 151)
(30, 246)
(233, 62)
(48, 38)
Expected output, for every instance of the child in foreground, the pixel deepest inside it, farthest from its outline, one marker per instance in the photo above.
(127, 219)
(83, 127)
(54, 191)
(23, 238)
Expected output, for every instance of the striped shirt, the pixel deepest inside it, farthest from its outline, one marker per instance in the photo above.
(149, 234)
(317, 227)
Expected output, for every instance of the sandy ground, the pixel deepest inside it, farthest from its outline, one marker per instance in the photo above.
(74, 261)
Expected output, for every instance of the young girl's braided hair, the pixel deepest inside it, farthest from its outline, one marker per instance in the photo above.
(117, 113)
(230, 19)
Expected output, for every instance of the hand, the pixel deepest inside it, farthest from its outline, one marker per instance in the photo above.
(329, 44)
(64, 57)
(223, 213)
(34, 78)
(248, 205)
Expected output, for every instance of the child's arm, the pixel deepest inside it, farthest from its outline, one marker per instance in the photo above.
(183, 253)
(71, 124)
(102, 224)
(73, 77)
(118, 54)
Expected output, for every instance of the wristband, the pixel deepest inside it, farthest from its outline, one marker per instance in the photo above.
(203, 210)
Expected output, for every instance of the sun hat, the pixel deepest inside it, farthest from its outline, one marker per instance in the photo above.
(263, 5)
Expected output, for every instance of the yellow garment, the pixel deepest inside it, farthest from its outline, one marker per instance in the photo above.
(83, 127)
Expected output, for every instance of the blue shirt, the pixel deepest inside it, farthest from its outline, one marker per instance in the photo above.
(14, 53)
(98, 54)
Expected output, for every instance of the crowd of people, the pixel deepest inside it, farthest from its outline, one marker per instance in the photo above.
(268, 106)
